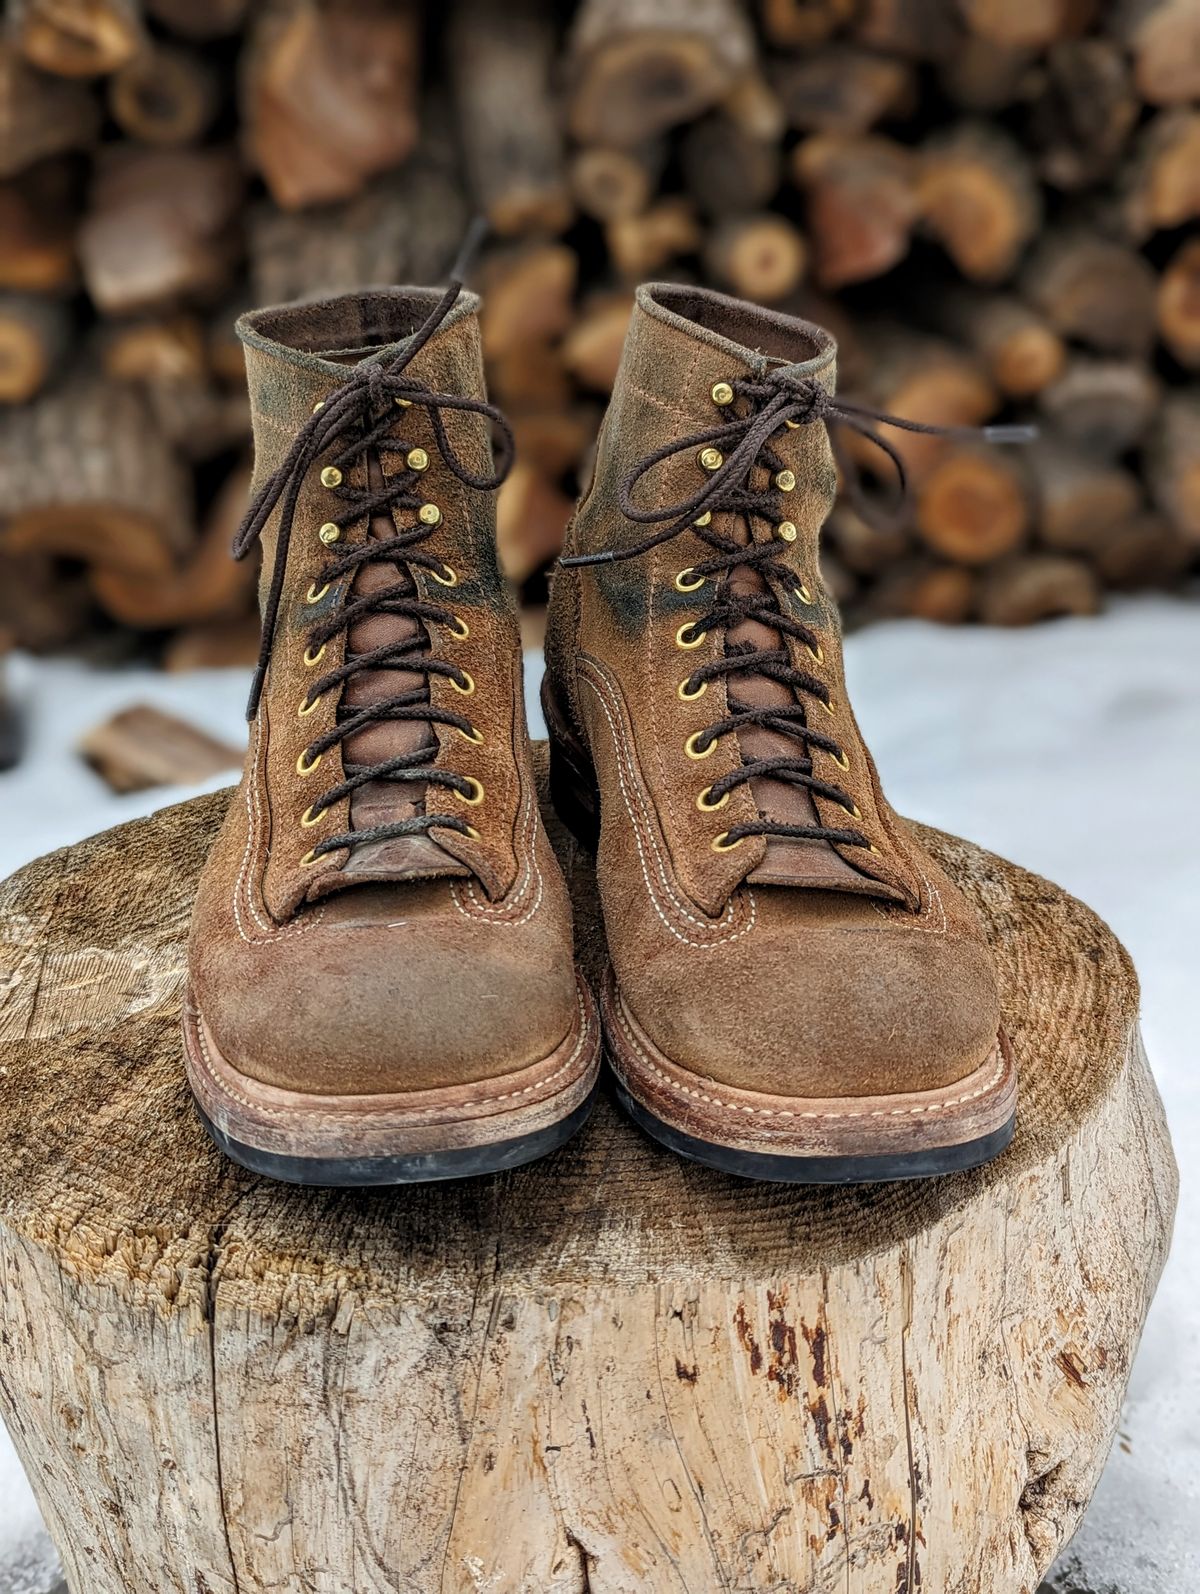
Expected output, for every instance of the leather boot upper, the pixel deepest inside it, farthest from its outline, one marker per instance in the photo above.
(382, 910)
(772, 923)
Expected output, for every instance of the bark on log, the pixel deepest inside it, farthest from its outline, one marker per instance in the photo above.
(90, 477)
(801, 24)
(76, 38)
(328, 94)
(559, 1379)
(1179, 304)
(212, 20)
(40, 116)
(1023, 353)
(978, 197)
(984, 77)
(141, 747)
(1104, 406)
(638, 67)
(501, 66)
(611, 184)
(862, 205)
(923, 379)
(1084, 113)
(1026, 24)
(727, 168)
(591, 351)
(34, 334)
(1037, 587)
(1162, 185)
(164, 95)
(924, 589)
(640, 246)
(1144, 551)
(1078, 497)
(915, 30)
(1164, 38)
(37, 234)
(1172, 462)
(1095, 289)
(843, 89)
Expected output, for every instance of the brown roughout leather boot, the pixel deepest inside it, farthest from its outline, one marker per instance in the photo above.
(382, 986)
(796, 990)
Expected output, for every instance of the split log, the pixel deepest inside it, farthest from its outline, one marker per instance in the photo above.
(611, 184)
(842, 89)
(924, 379)
(37, 236)
(984, 77)
(727, 168)
(640, 246)
(1078, 497)
(1104, 406)
(216, 645)
(553, 441)
(753, 108)
(501, 65)
(1144, 551)
(1022, 352)
(1026, 24)
(973, 505)
(34, 334)
(638, 67)
(1161, 187)
(531, 517)
(212, 20)
(591, 351)
(1179, 304)
(978, 197)
(532, 376)
(760, 257)
(802, 24)
(1036, 587)
(914, 30)
(76, 38)
(89, 476)
(39, 115)
(1172, 462)
(1084, 112)
(528, 296)
(164, 96)
(328, 95)
(161, 228)
(1093, 288)
(548, 1378)
(1164, 38)
(168, 358)
(862, 205)
(924, 589)
(44, 605)
(141, 747)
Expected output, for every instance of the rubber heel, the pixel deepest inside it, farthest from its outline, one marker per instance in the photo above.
(573, 789)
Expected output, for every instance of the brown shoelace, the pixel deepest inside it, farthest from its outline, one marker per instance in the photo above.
(353, 422)
(760, 409)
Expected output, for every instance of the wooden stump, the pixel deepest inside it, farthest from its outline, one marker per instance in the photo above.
(611, 1372)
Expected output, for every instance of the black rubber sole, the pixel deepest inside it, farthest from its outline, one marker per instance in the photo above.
(928, 1164)
(356, 1173)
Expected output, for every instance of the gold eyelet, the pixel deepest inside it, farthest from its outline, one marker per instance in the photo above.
(793, 426)
(688, 586)
(841, 759)
(705, 806)
(473, 834)
(470, 686)
(313, 595)
(705, 519)
(331, 476)
(817, 653)
(711, 459)
(450, 579)
(311, 658)
(417, 459)
(871, 847)
(459, 628)
(318, 406)
(329, 532)
(311, 856)
(722, 393)
(690, 697)
(304, 712)
(692, 746)
(830, 707)
(429, 515)
(854, 811)
(722, 843)
(303, 767)
(786, 531)
(803, 593)
(404, 404)
(474, 735)
(476, 795)
(785, 480)
(694, 643)
(308, 818)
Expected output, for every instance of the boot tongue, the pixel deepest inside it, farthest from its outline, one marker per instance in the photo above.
(381, 802)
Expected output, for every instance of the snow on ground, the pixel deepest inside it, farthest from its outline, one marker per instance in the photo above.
(1073, 748)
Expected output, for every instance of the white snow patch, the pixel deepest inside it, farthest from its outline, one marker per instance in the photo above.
(1072, 748)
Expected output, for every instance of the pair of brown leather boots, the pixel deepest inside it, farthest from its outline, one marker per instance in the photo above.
(382, 981)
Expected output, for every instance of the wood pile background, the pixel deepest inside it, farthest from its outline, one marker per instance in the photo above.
(992, 203)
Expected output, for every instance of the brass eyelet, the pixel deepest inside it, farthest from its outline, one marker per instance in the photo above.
(873, 848)
(786, 531)
(459, 628)
(304, 711)
(331, 476)
(692, 746)
(705, 519)
(311, 856)
(313, 595)
(318, 406)
(473, 834)
(817, 653)
(429, 515)
(476, 794)
(468, 688)
(694, 643)
(854, 810)
(711, 459)
(311, 658)
(722, 393)
(841, 759)
(688, 586)
(706, 807)
(690, 697)
(785, 480)
(329, 532)
(474, 735)
(303, 766)
(830, 707)
(803, 593)
(450, 579)
(308, 818)
(722, 842)
(417, 459)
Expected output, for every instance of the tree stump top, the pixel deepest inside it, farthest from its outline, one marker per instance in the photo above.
(106, 1163)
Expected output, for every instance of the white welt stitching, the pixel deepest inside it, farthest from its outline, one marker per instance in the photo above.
(530, 869)
(241, 886)
(773, 1112)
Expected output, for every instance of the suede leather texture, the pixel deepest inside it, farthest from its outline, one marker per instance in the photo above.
(882, 985)
(312, 976)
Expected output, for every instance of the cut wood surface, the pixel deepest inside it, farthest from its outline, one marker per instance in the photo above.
(141, 747)
(611, 1370)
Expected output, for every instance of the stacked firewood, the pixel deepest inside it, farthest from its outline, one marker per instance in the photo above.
(992, 203)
